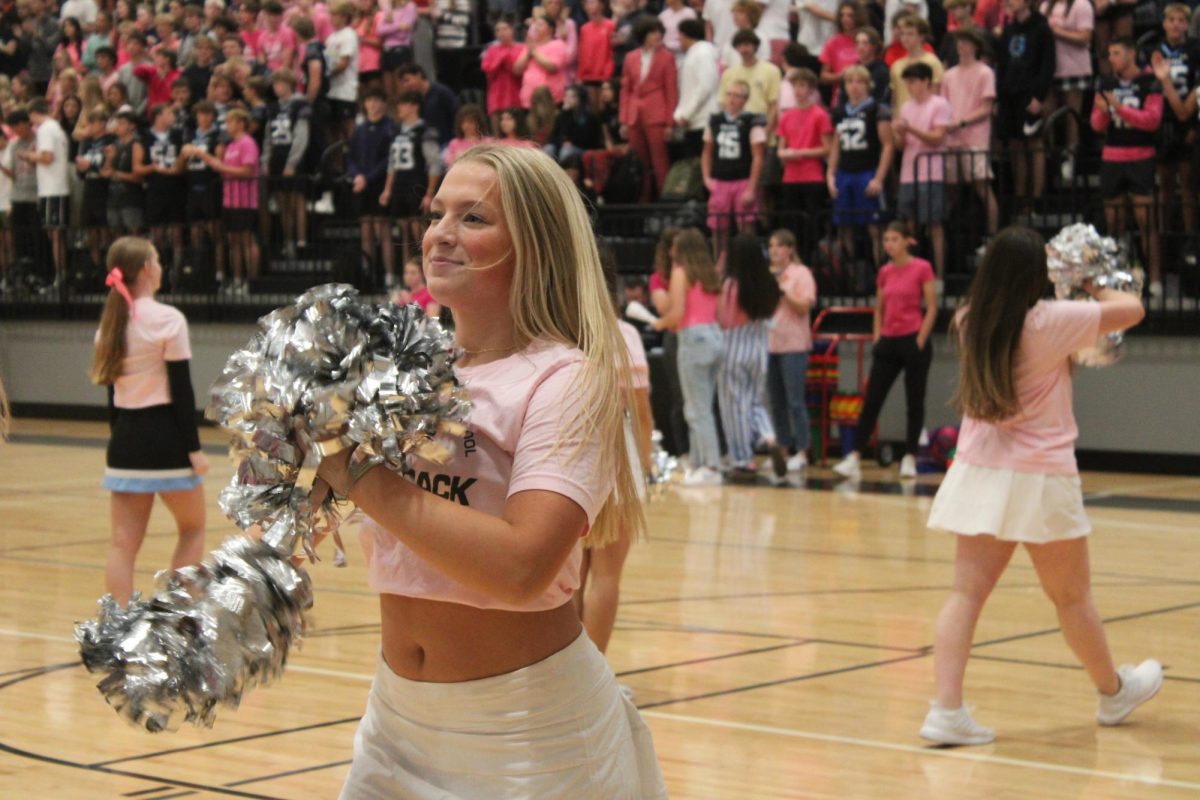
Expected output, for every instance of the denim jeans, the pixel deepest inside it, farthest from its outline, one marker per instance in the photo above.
(700, 354)
(787, 380)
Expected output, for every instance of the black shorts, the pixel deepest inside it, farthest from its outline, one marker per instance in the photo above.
(366, 77)
(54, 212)
(95, 203)
(166, 203)
(24, 216)
(1173, 145)
(240, 220)
(276, 180)
(204, 201)
(342, 110)
(406, 200)
(366, 202)
(147, 439)
(394, 57)
(1118, 178)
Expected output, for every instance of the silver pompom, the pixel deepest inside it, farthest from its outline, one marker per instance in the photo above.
(1079, 254)
(326, 373)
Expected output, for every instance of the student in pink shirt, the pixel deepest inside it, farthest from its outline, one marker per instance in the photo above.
(970, 89)
(901, 333)
(239, 171)
(789, 346)
(805, 139)
(278, 43)
(542, 62)
(470, 129)
(476, 559)
(595, 50)
(316, 11)
(503, 84)
(141, 354)
(749, 300)
(1014, 479)
(370, 43)
(920, 128)
(673, 13)
(415, 290)
(396, 23)
(841, 50)
(564, 30)
(694, 292)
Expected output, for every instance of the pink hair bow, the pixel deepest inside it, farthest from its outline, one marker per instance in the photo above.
(116, 280)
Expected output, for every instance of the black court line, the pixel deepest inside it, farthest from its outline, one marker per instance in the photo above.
(290, 772)
(151, 790)
(60, 440)
(62, 762)
(38, 671)
(868, 556)
(1032, 662)
(1107, 621)
(783, 681)
(234, 740)
(652, 625)
(1135, 503)
(708, 659)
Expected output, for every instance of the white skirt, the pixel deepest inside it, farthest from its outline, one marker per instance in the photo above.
(559, 728)
(1009, 504)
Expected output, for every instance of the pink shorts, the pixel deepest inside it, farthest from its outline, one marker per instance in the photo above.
(724, 201)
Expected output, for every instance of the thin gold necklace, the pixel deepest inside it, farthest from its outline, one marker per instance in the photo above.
(487, 350)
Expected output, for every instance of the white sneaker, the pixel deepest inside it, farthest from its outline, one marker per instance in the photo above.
(702, 476)
(954, 726)
(324, 205)
(1138, 684)
(1068, 168)
(908, 466)
(849, 467)
(782, 481)
(797, 463)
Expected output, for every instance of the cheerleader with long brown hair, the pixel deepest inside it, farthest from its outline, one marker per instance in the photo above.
(141, 355)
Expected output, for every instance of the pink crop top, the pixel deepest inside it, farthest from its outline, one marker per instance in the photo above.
(700, 307)
(520, 404)
(157, 333)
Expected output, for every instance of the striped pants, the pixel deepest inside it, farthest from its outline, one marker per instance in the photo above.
(741, 386)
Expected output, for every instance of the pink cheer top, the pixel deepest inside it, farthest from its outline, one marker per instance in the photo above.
(156, 334)
(520, 407)
(699, 307)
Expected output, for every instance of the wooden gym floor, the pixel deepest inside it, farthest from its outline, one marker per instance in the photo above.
(778, 642)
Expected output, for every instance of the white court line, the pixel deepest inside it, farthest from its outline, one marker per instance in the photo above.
(923, 751)
(788, 732)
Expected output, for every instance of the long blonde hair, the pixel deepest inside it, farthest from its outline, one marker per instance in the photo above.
(558, 294)
(129, 254)
(691, 253)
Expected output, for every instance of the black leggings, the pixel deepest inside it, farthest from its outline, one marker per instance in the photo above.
(888, 358)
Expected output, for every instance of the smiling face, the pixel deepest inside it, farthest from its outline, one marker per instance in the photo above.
(468, 249)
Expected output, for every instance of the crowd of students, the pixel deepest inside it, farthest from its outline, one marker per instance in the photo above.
(828, 118)
(843, 114)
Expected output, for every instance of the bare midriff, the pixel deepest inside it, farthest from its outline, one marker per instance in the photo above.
(438, 642)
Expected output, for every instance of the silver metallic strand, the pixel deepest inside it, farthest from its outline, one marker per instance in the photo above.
(1078, 254)
(328, 373)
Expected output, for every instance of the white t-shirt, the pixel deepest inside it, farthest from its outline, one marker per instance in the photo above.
(6, 184)
(773, 24)
(52, 178)
(83, 10)
(719, 13)
(339, 45)
(814, 31)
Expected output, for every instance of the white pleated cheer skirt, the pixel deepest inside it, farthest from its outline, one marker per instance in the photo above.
(1009, 504)
(556, 729)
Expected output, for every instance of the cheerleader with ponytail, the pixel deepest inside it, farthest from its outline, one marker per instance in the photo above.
(141, 355)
